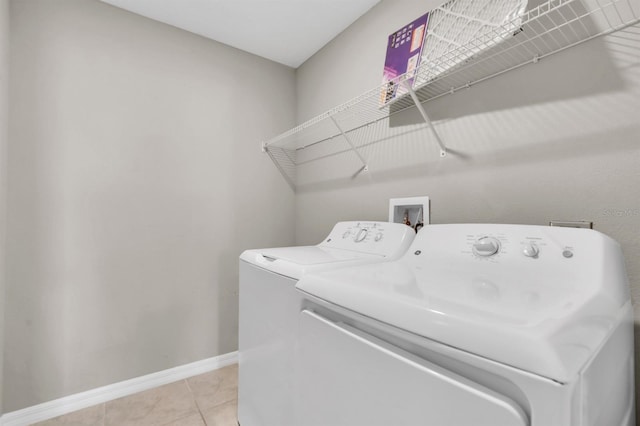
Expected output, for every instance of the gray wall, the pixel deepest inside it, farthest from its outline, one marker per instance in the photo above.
(135, 181)
(4, 132)
(554, 140)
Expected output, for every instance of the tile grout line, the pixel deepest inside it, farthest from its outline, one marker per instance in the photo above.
(196, 402)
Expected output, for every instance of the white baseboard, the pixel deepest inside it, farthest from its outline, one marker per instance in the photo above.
(68, 404)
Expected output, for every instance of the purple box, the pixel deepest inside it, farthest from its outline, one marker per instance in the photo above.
(404, 50)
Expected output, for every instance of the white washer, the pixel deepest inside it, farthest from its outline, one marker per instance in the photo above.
(269, 308)
(476, 325)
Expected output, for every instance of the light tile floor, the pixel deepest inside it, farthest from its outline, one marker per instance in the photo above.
(210, 399)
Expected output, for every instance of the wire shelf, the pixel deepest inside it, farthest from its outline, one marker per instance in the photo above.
(552, 27)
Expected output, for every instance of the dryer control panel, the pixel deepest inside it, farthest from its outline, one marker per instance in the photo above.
(492, 243)
(379, 238)
(516, 267)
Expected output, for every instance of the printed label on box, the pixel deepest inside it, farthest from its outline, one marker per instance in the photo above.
(404, 51)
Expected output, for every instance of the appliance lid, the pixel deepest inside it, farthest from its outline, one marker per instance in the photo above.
(546, 314)
(354, 242)
(313, 255)
(295, 261)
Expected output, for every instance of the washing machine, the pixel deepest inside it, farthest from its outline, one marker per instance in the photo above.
(476, 325)
(269, 308)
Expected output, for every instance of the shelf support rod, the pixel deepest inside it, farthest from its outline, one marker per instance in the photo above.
(423, 113)
(353, 147)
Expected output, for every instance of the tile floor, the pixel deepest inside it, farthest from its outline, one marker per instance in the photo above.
(210, 399)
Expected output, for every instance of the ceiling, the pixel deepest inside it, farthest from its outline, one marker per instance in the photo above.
(285, 31)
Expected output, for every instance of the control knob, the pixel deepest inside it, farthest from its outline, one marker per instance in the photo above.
(361, 235)
(531, 250)
(486, 246)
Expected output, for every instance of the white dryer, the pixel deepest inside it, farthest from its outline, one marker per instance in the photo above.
(476, 325)
(269, 308)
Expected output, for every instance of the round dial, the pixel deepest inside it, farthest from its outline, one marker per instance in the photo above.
(346, 234)
(378, 236)
(486, 246)
(531, 250)
(361, 235)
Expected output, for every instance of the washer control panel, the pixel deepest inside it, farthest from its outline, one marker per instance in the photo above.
(381, 238)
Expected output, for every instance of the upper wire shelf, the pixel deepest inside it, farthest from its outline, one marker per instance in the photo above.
(549, 28)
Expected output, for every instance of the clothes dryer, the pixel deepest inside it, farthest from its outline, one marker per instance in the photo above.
(269, 308)
(476, 325)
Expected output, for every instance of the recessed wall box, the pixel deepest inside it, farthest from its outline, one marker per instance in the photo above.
(412, 211)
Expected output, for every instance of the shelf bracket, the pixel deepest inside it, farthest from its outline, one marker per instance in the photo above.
(353, 147)
(423, 113)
